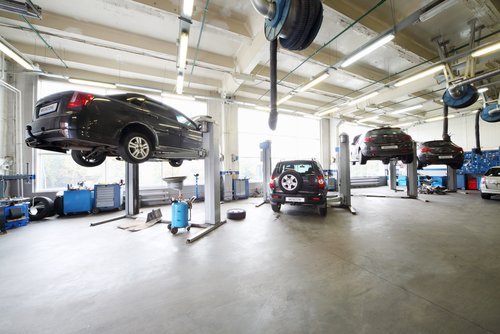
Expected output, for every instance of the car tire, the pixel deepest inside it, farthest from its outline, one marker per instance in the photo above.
(485, 196)
(407, 160)
(44, 208)
(59, 205)
(88, 159)
(362, 158)
(175, 162)
(290, 182)
(456, 166)
(386, 161)
(276, 207)
(135, 148)
(236, 214)
(323, 209)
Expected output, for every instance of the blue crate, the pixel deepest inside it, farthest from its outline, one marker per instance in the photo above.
(78, 201)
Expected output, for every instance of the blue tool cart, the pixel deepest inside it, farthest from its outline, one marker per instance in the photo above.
(77, 201)
(106, 197)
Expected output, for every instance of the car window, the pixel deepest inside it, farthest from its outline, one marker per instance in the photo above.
(300, 167)
(389, 131)
(159, 110)
(186, 121)
(493, 172)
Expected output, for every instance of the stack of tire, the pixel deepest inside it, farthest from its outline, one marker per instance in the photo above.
(41, 207)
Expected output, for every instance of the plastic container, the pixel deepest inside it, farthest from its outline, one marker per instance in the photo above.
(180, 214)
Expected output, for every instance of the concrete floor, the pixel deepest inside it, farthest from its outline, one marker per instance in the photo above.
(399, 266)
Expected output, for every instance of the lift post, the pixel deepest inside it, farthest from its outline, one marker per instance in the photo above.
(392, 175)
(132, 200)
(411, 170)
(451, 179)
(344, 177)
(265, 157)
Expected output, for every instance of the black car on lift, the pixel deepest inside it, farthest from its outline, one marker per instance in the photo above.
(298, 182)
(384, 144)
(440, 152)
(132, 127)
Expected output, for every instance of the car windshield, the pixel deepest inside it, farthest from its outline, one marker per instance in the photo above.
(495, 171)
(387, 131)
(299, 167)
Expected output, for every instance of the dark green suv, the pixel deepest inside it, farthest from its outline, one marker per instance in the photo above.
(299, 182)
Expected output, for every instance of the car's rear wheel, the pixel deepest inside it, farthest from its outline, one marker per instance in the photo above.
(88, 158)
(323, 209)
(290, 182)
(175, 162)
(408, 159)
(362, 158)
(485, 196)
(135, 148)
(276, 207)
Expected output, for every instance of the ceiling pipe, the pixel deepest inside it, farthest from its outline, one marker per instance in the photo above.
(474, 79)
(265, 8)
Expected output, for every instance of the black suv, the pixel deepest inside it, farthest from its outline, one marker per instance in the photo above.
(298, 182)
(130, 126)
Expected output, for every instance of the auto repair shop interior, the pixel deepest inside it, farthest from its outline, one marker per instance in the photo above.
(250, 166)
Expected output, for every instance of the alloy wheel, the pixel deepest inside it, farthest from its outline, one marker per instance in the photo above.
(138, 148)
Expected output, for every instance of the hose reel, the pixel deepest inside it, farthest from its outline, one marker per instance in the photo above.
(295, 23)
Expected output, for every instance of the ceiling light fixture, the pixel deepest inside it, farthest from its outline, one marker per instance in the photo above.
(9, 51)
(363, 98)
(183, 46)
(438, 118)
(420, 75)
(92, 83)
(187, 8)
(418, 106)
(326, 112)
(437, 10)
(146, 89)
(482, 90)
(486, 50)
(314, 81)
(284, 99)
(367, 50)
(179, 87)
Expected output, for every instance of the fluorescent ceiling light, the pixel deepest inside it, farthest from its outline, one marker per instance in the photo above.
(14, 56)
(187, 8)
(486, 50)
(418, 106)
(363, 98)
(91, 83)
(420, 75)
(314, 82)
(183, 46)
(367, 50)
(147, 89)
(329, 111)
(55, 76)
(482, 89)
(373, 118)
(438, 118)
(178, 97)
(436, 10)
(284, 99)
(180, 84)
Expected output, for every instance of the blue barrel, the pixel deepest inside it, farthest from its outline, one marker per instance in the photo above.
(179, 214)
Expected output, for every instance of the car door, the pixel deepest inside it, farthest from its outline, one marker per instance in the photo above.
(163, 121)
(492, 179)
(191, 137)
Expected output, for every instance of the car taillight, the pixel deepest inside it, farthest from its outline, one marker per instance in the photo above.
(369, 139)
(426, 149)
(321, 182)
(79, 100)
(271, 183)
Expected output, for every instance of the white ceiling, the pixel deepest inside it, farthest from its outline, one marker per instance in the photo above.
(134, 42)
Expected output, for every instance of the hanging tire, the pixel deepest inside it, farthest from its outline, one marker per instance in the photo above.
(88, 158)
(290, 182)
(175, 162)
(276, 207)
(135, 148)
(44, 207)
(236, 214)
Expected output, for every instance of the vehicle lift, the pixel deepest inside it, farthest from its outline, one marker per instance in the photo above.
(265, 157)
(343, 198)
(210, 153)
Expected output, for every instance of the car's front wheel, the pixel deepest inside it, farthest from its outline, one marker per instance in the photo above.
(135, 148)
(88, 158)
(407, 160)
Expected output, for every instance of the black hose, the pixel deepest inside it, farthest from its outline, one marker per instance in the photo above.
(273, 116)
(446, 136)
(478, 141)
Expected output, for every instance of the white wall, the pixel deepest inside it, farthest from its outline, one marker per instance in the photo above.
(462, 132)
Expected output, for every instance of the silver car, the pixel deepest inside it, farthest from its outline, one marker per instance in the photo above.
(490, 183)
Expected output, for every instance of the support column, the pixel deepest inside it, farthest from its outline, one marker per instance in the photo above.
(212, 173)
(325, 143)
(451, 179)
(344, 171)
(392, 174)
(132, 201)
(230, 137)
(412, 175)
